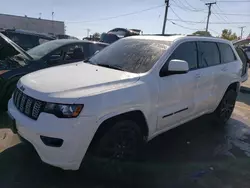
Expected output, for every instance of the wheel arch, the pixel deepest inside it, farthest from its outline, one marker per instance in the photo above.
(134, 115)
(235, 86)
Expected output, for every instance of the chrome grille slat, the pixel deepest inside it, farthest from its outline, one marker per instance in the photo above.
(27, 110)
(22, 103)
(27, 105)
(36, 109)
(19, 95)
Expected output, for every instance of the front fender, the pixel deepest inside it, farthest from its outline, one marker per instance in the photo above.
(133, 98)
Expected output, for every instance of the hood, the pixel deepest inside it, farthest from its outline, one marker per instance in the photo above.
(75, 80)
(5, 41)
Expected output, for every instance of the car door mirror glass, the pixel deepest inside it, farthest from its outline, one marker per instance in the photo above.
(177, 66)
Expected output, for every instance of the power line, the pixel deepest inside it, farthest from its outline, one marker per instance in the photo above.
(221, 10)
(183, 7)
(199, 22)
(218, 15)
(190, 5)
(184, 26)
(202, 10)
(121, 15)
(175, 13)
(234, 1)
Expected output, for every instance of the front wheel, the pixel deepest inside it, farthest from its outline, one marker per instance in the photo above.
(121, 142)
(226, 107)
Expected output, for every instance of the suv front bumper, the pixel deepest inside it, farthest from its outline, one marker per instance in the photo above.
(76, 134)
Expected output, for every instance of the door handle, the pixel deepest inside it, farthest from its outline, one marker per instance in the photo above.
(197, 76)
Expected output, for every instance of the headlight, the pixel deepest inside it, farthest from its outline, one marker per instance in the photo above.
(63, 110)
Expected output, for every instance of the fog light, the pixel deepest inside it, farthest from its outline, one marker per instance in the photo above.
(52, 142)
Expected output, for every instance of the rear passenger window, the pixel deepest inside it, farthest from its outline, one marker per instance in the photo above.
(209, 54)
(187, 52)
(227, 54)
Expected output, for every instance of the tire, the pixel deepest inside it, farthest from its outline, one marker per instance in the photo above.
(225, 109)
(7, 96)
(121, 142)
(8, 93)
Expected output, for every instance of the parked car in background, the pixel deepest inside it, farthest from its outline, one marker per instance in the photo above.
(26, 39)
(124, 96)
(122, 32)
(109, 38)
(247, 50)
(241, 47)
(61, 36)
(118, 33)
(20, 62)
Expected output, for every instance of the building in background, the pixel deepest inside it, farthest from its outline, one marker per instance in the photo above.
(31, 24)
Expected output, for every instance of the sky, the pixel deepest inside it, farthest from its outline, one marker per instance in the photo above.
(102, 16)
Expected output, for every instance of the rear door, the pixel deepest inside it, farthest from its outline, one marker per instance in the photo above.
(209, 60)
(228, 68)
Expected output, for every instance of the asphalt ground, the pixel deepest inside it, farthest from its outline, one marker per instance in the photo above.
(200, 153)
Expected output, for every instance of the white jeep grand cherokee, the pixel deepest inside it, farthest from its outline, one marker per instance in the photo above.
(128, 93)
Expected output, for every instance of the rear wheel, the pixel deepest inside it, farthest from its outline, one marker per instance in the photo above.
(226, 107)
(121, 142)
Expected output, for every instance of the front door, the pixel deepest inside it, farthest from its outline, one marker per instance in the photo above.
(176, 98)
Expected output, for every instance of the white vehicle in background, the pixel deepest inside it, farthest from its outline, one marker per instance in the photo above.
(128, 93)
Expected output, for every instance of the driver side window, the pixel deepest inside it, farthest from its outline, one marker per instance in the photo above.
(186, 51)
(56, 57)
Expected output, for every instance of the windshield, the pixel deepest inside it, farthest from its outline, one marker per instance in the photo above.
(131, 55)
(43, 49)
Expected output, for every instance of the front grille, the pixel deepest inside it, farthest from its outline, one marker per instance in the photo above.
(27, 105)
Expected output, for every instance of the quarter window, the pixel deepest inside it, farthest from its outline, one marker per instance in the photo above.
(227, 54)
(188, 52)
(209, 54)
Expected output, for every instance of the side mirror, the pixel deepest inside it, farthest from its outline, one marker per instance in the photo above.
(175, 66)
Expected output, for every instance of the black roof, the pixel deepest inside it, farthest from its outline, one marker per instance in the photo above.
(70, 41)
(26, 32)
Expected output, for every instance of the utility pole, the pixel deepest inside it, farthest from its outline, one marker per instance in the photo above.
(165, 17)
(241, 31)
(209, 13)
(88, 30)
(52, 17)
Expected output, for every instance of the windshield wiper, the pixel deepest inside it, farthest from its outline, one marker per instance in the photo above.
(110, 66)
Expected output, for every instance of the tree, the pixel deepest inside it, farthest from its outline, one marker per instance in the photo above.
(202, 33)
(96, 35)
(227, 34)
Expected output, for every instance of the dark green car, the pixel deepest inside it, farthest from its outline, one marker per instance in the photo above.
(16, 62)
